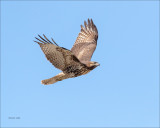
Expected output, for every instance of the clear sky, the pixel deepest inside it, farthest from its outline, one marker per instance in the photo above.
(122, 92)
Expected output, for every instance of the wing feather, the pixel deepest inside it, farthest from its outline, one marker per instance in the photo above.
(58, 56)
(86, 42)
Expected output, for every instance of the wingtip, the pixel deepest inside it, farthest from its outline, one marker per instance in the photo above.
(44, 35)
(36, 42)
(91, 21)
(85, 24)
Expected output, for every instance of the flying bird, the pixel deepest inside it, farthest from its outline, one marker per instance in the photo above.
(74, 62)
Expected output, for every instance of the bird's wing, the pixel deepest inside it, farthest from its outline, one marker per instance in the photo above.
(86, 42)
(58, 56)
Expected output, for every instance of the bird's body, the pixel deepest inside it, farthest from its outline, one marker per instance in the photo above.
(74, 62)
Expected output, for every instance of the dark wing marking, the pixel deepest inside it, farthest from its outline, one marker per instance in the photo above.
(59, 57)
(86, 42)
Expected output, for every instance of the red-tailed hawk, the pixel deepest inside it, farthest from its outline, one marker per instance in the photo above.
(74, 62)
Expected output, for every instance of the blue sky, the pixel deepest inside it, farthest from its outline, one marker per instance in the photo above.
(122, 92)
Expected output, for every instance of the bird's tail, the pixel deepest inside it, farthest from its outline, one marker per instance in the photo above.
(54, 79)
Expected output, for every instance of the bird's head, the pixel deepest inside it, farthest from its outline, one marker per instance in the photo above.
(92, 65)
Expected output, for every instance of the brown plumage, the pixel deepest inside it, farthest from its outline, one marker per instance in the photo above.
(74, 62)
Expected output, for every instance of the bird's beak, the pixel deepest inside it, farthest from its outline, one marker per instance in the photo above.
(97, 64)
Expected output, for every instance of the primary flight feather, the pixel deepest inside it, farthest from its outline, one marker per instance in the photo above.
(74, 62)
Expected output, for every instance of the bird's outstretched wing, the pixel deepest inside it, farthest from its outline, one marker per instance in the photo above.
(86, 42)
(58, 56)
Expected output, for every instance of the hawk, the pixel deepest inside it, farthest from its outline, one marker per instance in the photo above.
(74, 62)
